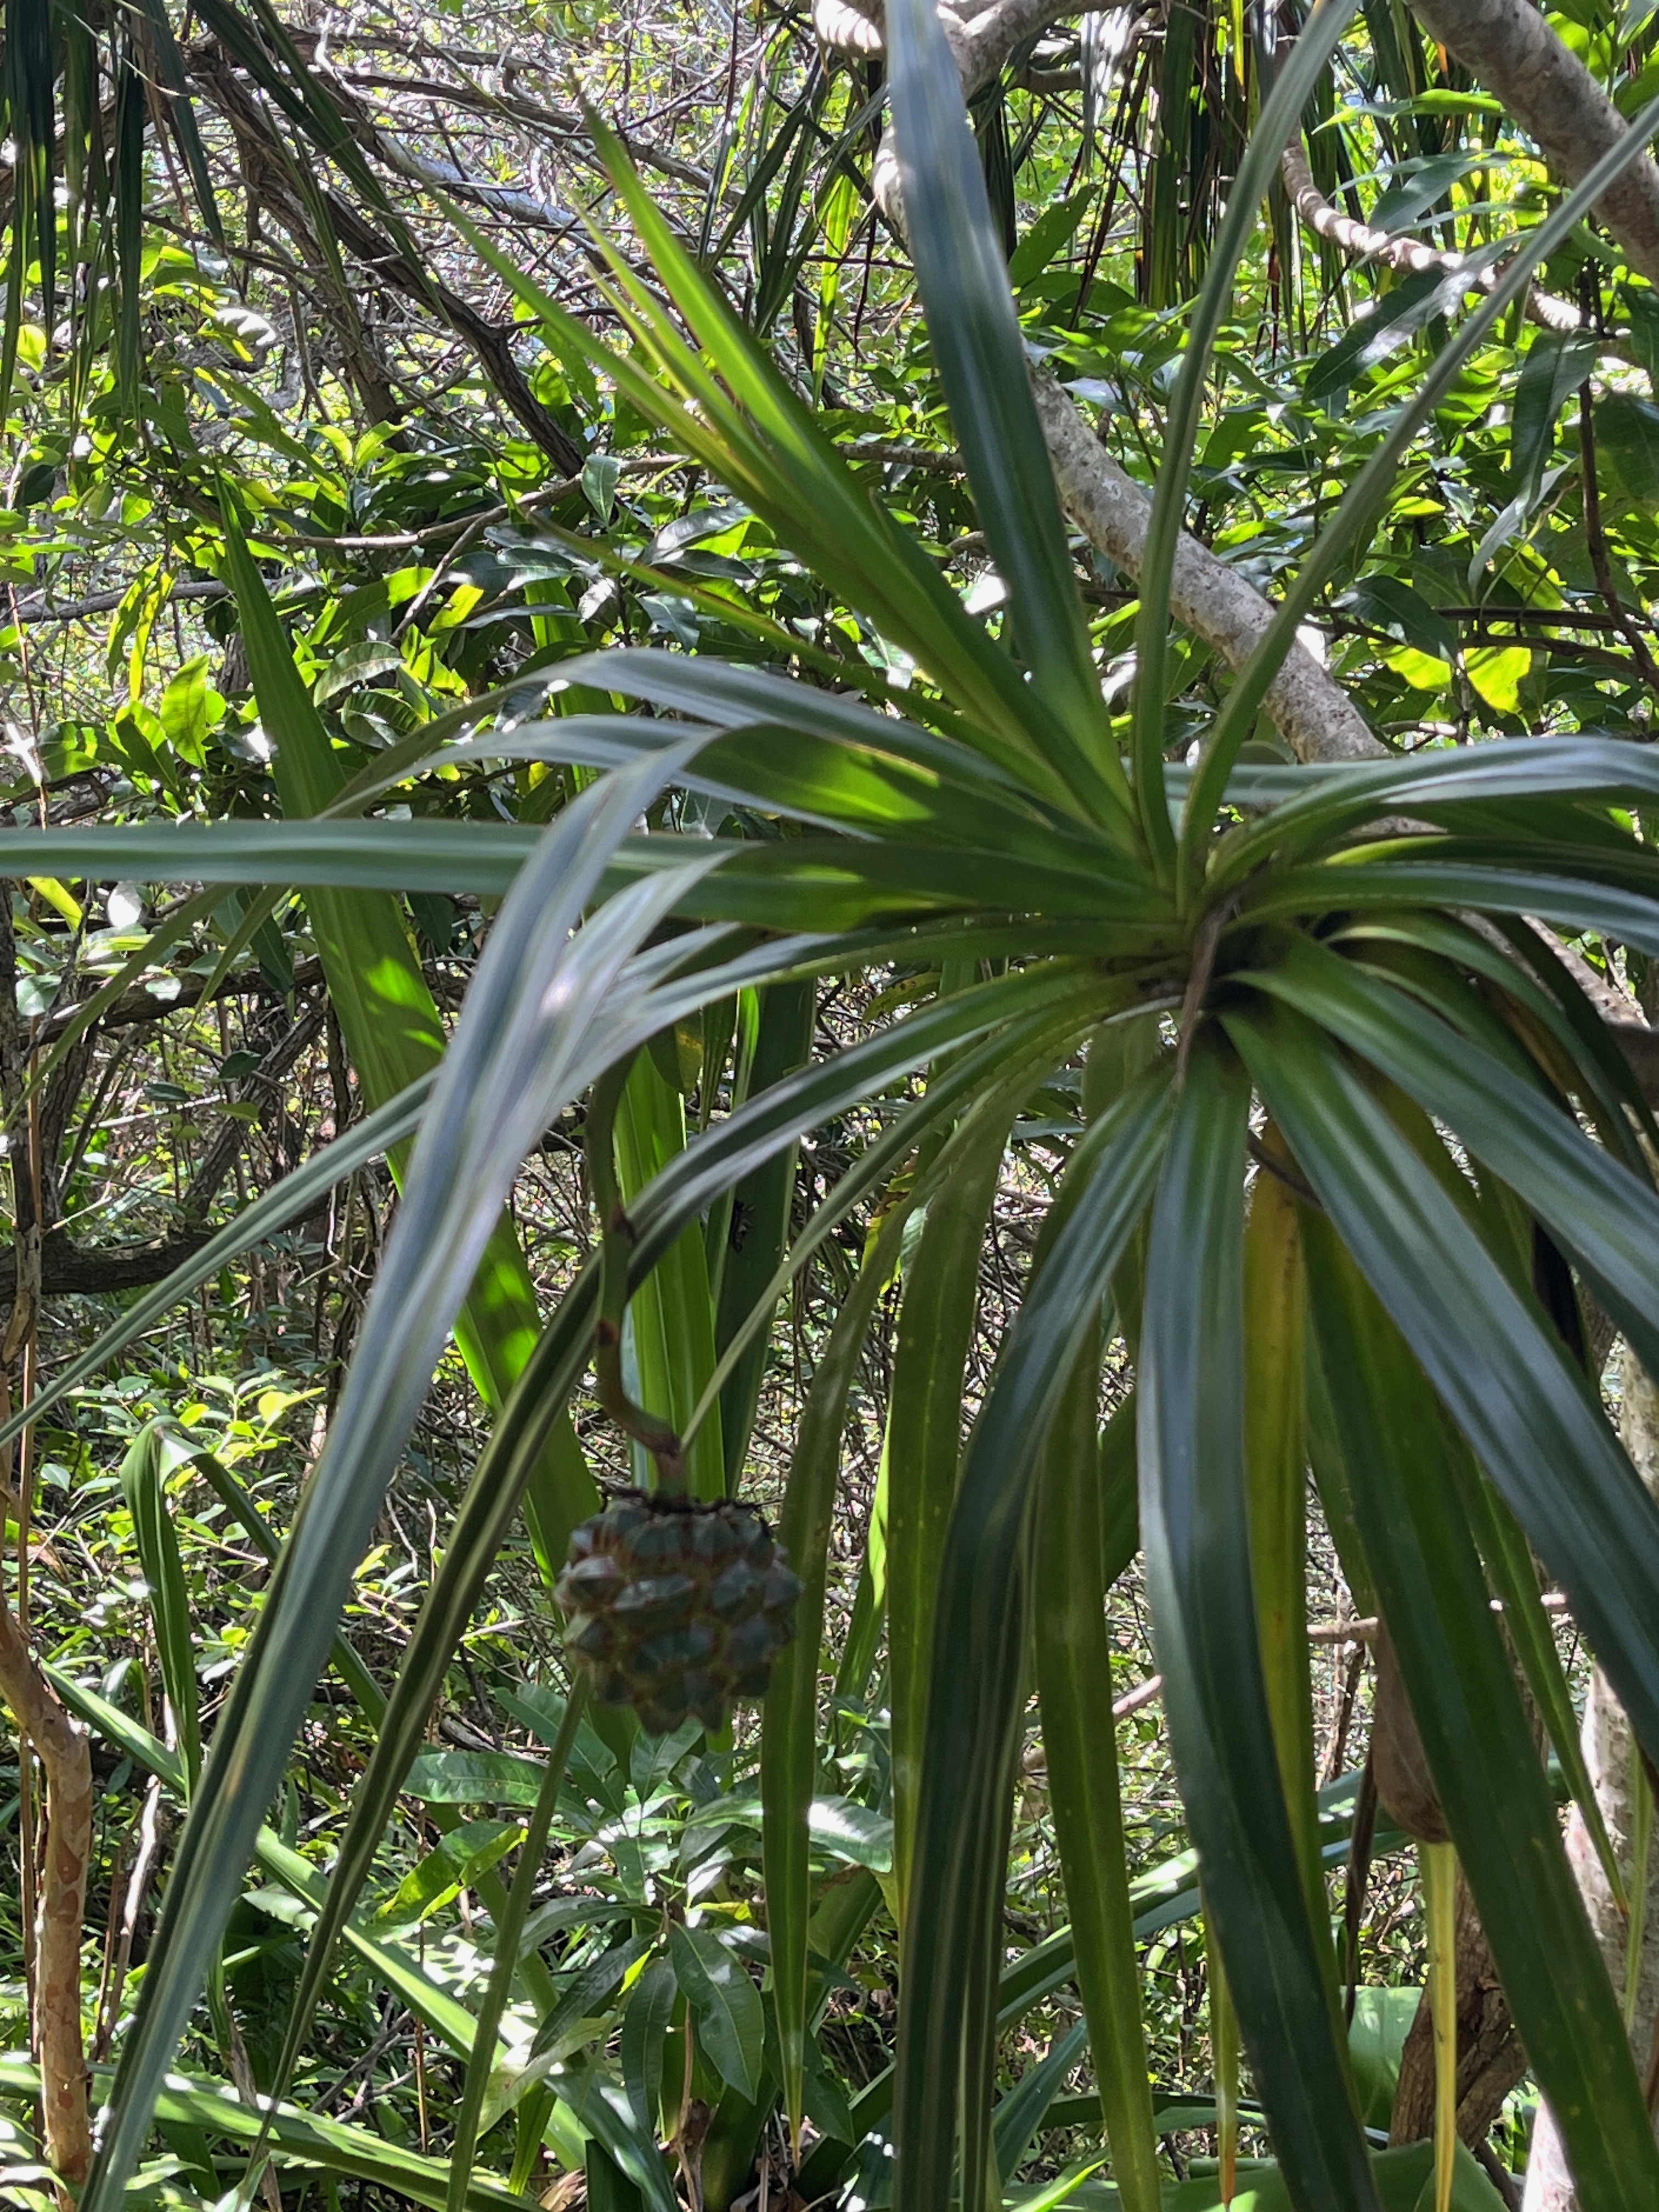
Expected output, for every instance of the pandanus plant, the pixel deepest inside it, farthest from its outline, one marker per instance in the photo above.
(1357, 1137)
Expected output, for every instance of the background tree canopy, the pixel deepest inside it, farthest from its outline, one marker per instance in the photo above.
(825, 1041)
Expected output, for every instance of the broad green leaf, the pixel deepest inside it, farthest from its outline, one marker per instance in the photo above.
(586, 1998)
(601, 2106)
(1049, 235)
(191, 708)
(1377, 2036)
(1557, 363)
(1497, 672)
(433, 1881)
(645, 2026)
(1627, 434)
(849, 1831)
(730, 2025)
(475, 1777)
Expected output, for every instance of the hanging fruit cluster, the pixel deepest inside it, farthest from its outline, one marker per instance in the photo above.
(676, 1607)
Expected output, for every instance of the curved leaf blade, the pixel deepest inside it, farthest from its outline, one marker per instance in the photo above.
(1606, 1215)
(1428, 1574)
(1195, 1529)
(1482, 1343)
(536, 996)
(975, 341)
(1074, 1684)
(978, 1641)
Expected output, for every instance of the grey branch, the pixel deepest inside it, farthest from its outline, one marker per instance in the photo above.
(1510, 48)
(1398, 251)
(1310, 708)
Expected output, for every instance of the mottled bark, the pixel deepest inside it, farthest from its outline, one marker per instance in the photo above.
(57, 2036)
(1311, 711)
(1490, 2057)
(1397, 251)
(1509, 47)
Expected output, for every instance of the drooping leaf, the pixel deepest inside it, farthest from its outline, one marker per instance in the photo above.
(978, 1638)
(1474, 1729)
(1195, 1529)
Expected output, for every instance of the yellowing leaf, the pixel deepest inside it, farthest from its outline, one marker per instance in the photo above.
(55, 895)
(1496, 672)
(1424, 671)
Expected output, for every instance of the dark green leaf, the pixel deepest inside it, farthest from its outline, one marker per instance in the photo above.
(1194, 1526)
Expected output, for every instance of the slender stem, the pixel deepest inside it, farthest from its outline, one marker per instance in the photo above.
(616, 1242)
(64, 1754)
(1596, 538)
(1440, 1888)
(509, 1929)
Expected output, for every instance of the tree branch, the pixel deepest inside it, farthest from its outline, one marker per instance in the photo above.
(1398, 251)
(491, 345)
(1510, 48)
(63, 1754)
(1312, 712)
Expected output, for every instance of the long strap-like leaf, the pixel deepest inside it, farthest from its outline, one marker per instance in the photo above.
(973, 1705)
(789, 1725)
(1195, 1529)
(520, 1046)
(1482, 1341)
(1407, 1495)
(1079, 1742)
(924, 1448)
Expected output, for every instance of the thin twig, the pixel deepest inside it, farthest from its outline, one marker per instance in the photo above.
(1601, 560)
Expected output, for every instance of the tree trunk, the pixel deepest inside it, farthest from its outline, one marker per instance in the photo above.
(1490, 2058)
(1609, 1752)
(57, 2038)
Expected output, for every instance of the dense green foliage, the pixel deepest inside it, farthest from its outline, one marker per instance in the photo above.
(603, 890)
